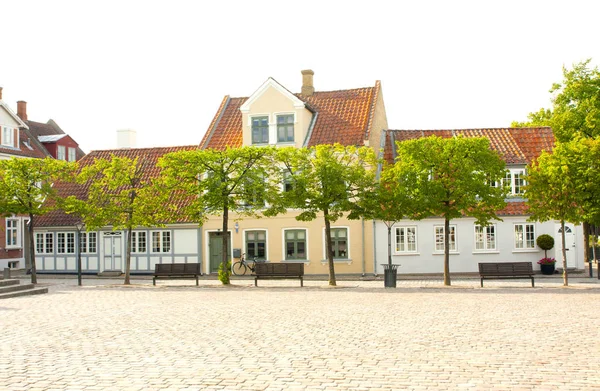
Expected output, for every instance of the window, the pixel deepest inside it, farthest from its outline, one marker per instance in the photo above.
(295, 244)
(12, 233)
(514, 181)
(406, 239)
(485, 238)
(256, 245)
(8, 136)
(260, 130)
(44, 243)
(524, 236)
(65, 243)
(72, 154)
(439, 238)
(287, 181)
(339, 242)
(138, 242)
(285, 128)
(60, 152)
(87, 242)
(161, 241)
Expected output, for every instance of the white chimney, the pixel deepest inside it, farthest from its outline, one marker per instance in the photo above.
(126, 138)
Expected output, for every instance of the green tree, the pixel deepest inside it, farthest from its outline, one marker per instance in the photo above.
(453, 176)
(327, 179)
(242, 181)
(26, 188)
(575, 113)
(558, 184)
(121, 194)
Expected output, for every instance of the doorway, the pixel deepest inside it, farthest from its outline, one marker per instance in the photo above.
(569, 246)
(215, 250)
(113, 251)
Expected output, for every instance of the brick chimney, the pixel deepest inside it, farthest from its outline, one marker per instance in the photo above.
(126, 138)
(307, 82)
(0, 93)
(22, 110)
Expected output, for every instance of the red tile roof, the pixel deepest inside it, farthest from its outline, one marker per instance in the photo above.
(514, 208)
(515, 145)
(50, 128)
(150, 156)
(343, 116)
(29, 146)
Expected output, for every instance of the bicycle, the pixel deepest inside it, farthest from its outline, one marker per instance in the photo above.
(241, 267)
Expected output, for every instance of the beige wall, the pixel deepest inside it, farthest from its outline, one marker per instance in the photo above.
(271, 103)
(379, 122)
(359, 261)
(7, 119)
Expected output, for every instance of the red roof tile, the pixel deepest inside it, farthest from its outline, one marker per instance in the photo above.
(344, 117)
(28, 146)
(514, 208)
(58, 218)
(515, 145)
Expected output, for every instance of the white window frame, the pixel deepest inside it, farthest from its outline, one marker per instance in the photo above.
(72, 154)
(8, 136)
(481, 237)
(135, 242)
(61, 152)
(47, 246)
(453, 244)
(512, 182)
(276, 125)
(67, 238)
(85, 238)
(13, 232)
(284, 244)
(523, 243)
(398, 234)
(165, 242)
(245, 246)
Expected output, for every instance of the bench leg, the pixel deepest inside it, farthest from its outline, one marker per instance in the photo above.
(532, 283)
(301, 282)
(154, 281)
(196, 280)
(255, 281)
(482, 282)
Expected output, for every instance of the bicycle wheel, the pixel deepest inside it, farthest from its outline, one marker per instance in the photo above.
(239, 268)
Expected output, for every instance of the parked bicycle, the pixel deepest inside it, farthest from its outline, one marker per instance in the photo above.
(242, 266)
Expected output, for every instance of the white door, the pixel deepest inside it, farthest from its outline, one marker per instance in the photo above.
(569, 246)
(113, 259)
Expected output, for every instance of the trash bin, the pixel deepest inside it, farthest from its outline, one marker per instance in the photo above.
(390, 273)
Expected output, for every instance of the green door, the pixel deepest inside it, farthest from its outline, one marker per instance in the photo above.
(215, 250)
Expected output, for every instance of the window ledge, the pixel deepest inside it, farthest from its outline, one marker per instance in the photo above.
(525, 250)
(306, 261)
(337, 260)
(13, 247)
(406, 254)
(451, 253)
(486, 252)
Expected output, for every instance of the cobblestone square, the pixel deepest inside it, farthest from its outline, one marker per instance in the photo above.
(359, 336)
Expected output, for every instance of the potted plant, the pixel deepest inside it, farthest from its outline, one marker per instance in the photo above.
(545, 242)
(547, 265)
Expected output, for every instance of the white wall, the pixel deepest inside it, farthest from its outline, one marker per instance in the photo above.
(426, 260)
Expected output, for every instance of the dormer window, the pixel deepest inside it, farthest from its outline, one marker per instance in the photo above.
(285, 128)
(60, 153)
(8, 136)
(260, 130)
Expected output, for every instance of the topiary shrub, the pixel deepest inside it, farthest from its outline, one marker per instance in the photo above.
(545, 242)
(224, 274)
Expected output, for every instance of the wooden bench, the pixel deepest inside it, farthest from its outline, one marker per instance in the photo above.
(279, 270)
(499, 270)
(176, 270)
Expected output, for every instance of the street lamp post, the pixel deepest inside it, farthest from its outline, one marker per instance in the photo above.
(79, 227)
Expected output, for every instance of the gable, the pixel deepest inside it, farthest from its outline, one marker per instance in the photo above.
(8, 118)
(269, 93)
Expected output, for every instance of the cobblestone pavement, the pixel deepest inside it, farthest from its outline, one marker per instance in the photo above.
(359, 336)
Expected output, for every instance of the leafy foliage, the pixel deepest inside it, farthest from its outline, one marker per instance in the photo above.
(26, 187)
(244, 181)
(327, 180)
(122, 195)
(545, 242)
(224, 274)
(451, 178)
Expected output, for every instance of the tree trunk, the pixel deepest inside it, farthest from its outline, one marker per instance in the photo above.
(32, 251)
(564, 254)
(329, 250)
(447, 281)
(389, 227)
(225, 259)
(128, 257)
(586, 247)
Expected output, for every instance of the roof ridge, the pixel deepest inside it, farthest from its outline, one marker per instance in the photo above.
(374, 99)
(144, 148)
(462, 129)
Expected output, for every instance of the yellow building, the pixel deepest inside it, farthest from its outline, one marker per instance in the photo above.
(273, 115)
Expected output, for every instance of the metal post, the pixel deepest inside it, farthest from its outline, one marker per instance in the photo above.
(79, 226)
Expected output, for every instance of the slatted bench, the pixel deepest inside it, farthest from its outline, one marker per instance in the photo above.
(279, 270)
(500, 270)
(176, 270)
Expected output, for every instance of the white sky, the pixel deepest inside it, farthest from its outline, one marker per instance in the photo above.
(163, 67)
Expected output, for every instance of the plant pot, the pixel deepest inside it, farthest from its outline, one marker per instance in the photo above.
(547, 269)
